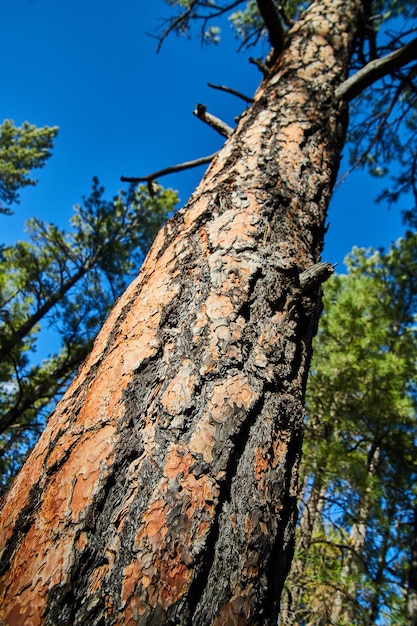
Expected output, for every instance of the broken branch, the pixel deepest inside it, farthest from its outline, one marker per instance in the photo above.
(213, 121)
(315, 275)
(168, 170)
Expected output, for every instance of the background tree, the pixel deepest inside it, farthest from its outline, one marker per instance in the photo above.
(22, 149)
(352, 558)
(61, 283)
(164, 487)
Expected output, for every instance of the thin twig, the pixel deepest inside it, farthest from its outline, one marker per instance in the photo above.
(169, 170)
(377, 136)
(180, 23)
(260, 65)
(234, 92)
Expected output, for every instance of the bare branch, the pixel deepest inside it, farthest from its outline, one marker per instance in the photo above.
(234, 92)
(176, 24)
(213, 121)
(375, 70)
(169, 170)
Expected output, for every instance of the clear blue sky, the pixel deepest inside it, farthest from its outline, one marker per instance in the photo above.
(89, 67)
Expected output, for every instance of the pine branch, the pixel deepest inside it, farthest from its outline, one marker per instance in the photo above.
(375, 70)
(169, 170)
(180, 23)
(273, 23)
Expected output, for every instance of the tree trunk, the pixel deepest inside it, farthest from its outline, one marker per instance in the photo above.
(345, 598)
(163, 489)
(312, 497)
(379, 578)
(411, 598)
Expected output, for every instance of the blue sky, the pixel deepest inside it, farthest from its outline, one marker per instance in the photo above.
(89, 67)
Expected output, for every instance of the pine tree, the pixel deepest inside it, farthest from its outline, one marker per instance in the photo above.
(164, 487)
(59, 284)
(360, 461)
(22, 149)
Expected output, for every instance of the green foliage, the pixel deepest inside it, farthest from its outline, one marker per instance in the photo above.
(249, 26)
(58, 287)
(246, 21)
(360, 460)
(212, 34)
(21, 149)
(245, 18)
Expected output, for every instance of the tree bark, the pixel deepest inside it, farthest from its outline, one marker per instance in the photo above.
(163, 490)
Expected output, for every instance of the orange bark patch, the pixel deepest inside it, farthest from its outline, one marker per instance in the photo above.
(154, 524)
(179, 393)
(88, 460)
(218, 307)
(233, 392)
(280, 448)
(253, 135)
(163, 568)
(131, 574)
(36, 569)
(82, 541)
(164, 582)
(19, 616)
(229, 273)
(231, 229)
(19, 492)
(261, 464)
(178, 463)
(203, 439)
(235, 613)
(176, 577)
(96, 578)
(248, 527)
